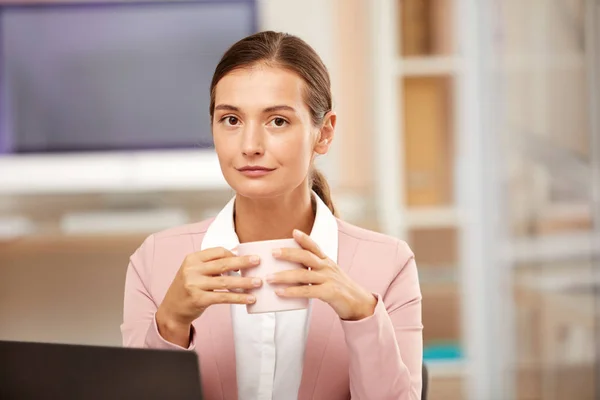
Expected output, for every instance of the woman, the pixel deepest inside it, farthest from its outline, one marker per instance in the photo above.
(271, 112)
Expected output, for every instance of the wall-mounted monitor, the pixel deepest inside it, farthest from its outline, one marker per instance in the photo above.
(112, 76)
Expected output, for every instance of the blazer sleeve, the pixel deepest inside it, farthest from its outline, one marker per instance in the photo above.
(139, 328)
(386, 349)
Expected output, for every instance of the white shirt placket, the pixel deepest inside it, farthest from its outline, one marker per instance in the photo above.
(267, 357)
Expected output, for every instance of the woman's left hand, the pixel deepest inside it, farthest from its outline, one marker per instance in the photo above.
(322, 279)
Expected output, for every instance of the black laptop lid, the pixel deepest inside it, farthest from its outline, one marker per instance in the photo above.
(62, 371)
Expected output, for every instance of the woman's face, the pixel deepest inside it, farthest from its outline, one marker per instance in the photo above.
(263, 134)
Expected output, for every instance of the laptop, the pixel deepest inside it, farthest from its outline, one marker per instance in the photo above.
(62, 371)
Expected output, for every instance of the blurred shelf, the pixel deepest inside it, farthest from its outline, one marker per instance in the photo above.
(459, 368)
(446, 368)
(15, 226)
(431, 217)
(541, 62)
(559, 161)
(554, 247)
(164, 170)
(122, 221)
(428, 66)
(571, 282)
(434, 276)
(61, 244)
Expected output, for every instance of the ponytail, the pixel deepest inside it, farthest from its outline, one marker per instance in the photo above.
(319, 185)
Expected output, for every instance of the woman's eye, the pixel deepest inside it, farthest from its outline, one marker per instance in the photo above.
(278, 122)
(231, 120)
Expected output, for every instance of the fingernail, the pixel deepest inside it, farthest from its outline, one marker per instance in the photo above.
(254, 259)
(270, 278)
(298, 232)
(256, 282)
(251, 299)
(279, 292)
(276, 252)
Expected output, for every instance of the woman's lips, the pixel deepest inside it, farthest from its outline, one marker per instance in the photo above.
(255, 171)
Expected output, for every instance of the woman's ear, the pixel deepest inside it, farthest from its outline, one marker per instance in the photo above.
(326, 133)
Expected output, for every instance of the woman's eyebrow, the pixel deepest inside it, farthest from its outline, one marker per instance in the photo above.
(226, 107)
(282, 107)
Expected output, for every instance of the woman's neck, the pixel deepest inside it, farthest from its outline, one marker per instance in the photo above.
(274, 218)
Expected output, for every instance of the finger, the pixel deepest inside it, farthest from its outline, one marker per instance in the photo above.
(301, 256)
(297, 276)
(230, 298)
(224, 265)
(214, 253)
(309, 292)
(307, 243)
(230, 283)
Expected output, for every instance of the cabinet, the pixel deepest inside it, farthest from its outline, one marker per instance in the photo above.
(417, 63)
(487, 158)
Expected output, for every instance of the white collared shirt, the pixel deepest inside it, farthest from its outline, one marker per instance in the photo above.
(269, 347)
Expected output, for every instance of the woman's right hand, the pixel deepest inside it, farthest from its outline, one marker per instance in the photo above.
(202, 281)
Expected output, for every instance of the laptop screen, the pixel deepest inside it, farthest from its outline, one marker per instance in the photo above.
(61, 371)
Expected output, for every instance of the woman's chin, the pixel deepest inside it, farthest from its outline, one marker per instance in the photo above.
(265, 187)
(256, 189)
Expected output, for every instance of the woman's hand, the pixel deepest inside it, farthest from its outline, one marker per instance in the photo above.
(323, 279)
(201, 282)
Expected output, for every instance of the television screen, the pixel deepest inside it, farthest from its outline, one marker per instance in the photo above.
(112, 76)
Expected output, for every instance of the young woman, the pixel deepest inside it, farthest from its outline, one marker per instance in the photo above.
(361, 337)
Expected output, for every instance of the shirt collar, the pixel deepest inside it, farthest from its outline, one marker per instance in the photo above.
(221, 232)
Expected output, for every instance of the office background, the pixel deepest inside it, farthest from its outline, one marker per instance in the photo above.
(468, 128)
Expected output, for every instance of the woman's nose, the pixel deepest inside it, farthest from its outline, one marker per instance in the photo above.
(252, 141)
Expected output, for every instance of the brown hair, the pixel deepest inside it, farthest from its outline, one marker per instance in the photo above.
(294, 54)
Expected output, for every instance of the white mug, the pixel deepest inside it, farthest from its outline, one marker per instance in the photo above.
(266, 298)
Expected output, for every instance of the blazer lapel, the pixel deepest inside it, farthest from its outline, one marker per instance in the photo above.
(215, 337)
(221, 332)
(322, 319)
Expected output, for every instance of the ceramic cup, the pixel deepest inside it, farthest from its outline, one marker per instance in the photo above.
(266, 298)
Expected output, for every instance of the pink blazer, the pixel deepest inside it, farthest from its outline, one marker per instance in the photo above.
(377, 358)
